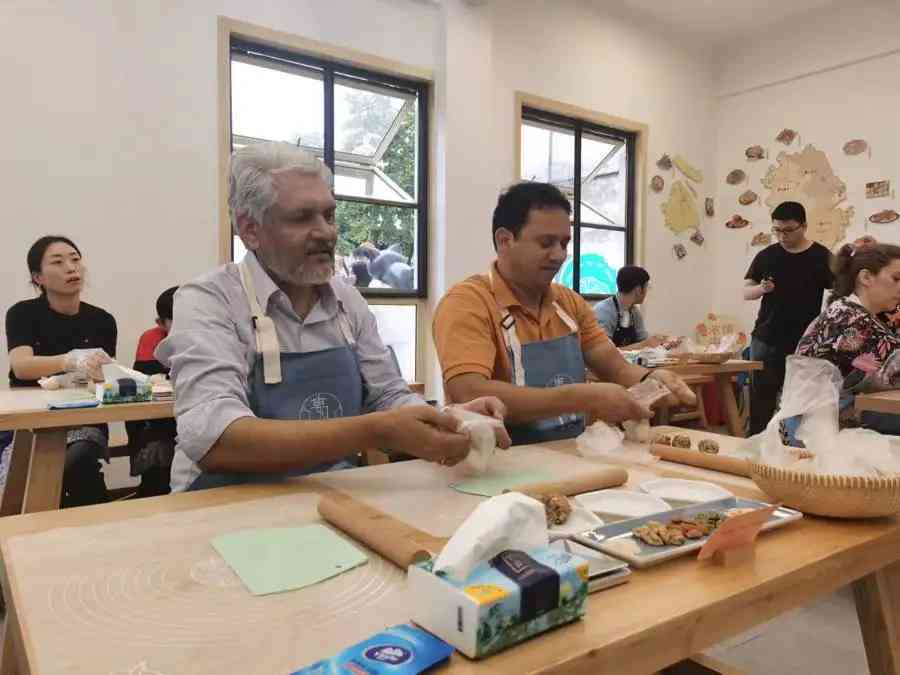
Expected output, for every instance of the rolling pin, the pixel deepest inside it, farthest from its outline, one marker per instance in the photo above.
(733, 465)
(611, 476)
(392, 539)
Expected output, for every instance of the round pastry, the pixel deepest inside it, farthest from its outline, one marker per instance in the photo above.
(663, 439)
(557, 508)
(681, 441)
(708, 446)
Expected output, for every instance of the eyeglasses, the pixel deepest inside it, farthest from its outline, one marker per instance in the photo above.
(785, 230)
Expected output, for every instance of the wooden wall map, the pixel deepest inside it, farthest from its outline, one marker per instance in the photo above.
(807, 177)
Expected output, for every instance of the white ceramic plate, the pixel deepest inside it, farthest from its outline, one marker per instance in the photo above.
(580, 520)
(676, 489)
(621, 503)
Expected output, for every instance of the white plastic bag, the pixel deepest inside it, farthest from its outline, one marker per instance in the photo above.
(482, 440)
(599, 439)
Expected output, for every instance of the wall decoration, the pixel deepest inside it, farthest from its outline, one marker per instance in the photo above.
(736, 177)
(878, 188)
(855, 147)
(710, 207)
(657, 183)
(786, 136)
(687, 169)
(747, 198)
(807, 177)
(736, 222)
(698, 238)
(681, 210)
(680, 251)
(884, 217)
(664, 163)
(755, 152)
(693, 191)
(761, 239)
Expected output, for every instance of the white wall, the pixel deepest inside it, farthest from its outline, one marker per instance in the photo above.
(572, 52)
(110, 130)
(827, 102)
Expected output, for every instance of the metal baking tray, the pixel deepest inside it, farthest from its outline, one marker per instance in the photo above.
(617, 540)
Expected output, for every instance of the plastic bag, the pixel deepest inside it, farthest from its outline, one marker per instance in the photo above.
(599, 440)
(482, 440)
(812, 390)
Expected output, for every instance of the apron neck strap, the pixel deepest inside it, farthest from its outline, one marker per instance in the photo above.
(264, 328)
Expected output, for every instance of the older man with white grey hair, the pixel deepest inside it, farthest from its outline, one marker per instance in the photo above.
(274, 360)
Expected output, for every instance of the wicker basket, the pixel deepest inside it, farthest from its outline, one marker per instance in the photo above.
(829, 495)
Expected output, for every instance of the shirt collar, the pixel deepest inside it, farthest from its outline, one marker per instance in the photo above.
(506, 298)
(266, 289)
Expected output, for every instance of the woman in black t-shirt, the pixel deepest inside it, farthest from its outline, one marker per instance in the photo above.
(57, 333)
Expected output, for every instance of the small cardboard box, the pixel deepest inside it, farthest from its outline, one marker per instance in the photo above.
(504, 601)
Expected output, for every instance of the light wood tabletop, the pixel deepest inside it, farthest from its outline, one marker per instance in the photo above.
(883, 402)
(143, 572)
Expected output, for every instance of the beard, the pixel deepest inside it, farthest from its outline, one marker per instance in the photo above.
(305, 274)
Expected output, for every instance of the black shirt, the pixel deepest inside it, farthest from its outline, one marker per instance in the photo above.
(32, 323)
(800, 282)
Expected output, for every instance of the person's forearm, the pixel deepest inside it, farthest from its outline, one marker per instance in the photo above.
(36, 367)
(523, 404)
(251, 444)
(753, 292)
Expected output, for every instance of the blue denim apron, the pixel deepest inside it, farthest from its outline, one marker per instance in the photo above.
(296, 386)
(547, 363)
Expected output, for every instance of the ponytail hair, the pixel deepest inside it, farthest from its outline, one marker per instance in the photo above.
(851, 259)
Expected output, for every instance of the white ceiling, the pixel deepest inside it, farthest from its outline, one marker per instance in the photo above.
(718, 21)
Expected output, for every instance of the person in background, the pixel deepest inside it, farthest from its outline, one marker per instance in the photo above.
(791, 277)
(514, 334)
(853, 332)
(58, 333)
(619, 315)
(154, 440)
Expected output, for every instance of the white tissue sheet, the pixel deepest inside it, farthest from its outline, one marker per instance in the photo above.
(509, 521)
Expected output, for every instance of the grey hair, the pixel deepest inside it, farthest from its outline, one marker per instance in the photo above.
(251, 190)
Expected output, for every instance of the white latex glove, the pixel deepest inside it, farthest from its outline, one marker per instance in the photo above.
(87, 362)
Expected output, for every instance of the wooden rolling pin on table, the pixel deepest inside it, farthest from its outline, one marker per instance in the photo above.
(608, 477)
(733, 465)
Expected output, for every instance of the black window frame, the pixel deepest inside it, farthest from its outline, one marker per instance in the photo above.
(329, 70)
(580, 127)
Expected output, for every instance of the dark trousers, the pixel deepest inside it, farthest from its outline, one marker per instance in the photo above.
(83, 482)
(765, 384)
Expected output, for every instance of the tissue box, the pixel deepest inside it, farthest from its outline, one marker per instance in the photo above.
(124, 390)
(504, 601)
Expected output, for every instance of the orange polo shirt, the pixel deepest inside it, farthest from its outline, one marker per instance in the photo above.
(468, 335)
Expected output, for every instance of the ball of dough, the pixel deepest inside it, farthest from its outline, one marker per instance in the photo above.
(557, 508)
(681, 441)
(663, 439)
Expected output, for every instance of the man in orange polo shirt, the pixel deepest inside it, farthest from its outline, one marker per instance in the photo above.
(514, 334)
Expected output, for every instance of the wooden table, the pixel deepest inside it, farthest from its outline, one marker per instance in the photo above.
(164, 619)
(883, 402)
(34, 482)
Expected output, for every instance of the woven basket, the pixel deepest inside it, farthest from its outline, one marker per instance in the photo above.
(829, 495)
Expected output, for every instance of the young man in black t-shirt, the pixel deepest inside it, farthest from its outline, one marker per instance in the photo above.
(791, 277)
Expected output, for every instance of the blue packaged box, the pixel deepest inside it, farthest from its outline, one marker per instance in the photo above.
(508, 599)
(400, 650)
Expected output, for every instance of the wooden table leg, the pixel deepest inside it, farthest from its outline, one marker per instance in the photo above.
(45, 474)
(726, 396)
(878, 608)
(9, 663)
(14, 492)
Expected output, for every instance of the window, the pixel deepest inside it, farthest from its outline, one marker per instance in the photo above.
(371, 131)
(555, 149)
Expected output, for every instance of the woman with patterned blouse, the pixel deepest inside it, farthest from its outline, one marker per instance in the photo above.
(854, 332)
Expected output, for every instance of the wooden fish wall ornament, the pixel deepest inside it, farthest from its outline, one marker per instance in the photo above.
(736, 222)
(786, 136)
(855, 147)
(687, 169)
(755, 152)
(736, 177)
(761, 239)
(657, 183)
(664, 163)
(698, 238)
(747, 198)
(680, 251)
(884, 217)
(710, 207)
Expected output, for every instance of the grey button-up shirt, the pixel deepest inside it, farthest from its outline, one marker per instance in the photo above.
(212, 348)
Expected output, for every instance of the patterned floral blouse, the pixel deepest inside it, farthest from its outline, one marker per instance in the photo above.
(852, 338)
